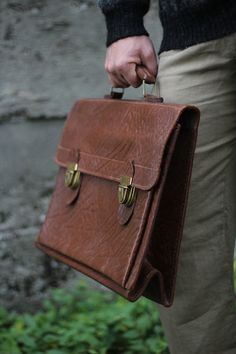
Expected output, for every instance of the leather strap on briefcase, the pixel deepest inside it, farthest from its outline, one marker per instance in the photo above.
(117, 211)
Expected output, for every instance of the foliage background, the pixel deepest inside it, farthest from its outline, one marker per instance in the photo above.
(87, 321)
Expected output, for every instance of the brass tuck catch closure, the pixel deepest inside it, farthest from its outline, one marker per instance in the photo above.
(126, 192)
(72, 176)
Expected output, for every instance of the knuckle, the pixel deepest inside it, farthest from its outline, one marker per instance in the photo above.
(106, 66)
(109, 69)
(110, 66)
(120, 65)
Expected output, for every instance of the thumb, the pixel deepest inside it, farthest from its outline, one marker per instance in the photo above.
(149, 59)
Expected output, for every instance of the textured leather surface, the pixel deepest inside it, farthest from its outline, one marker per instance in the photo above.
(133, 251)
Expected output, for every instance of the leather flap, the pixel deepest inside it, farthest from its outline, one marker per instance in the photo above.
(109, 137)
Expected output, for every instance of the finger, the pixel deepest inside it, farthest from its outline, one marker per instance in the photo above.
(149, 61)
(144, 74)
(115, 82)
(116, 77)
(130, 74)
(122, 79)
(112, 70)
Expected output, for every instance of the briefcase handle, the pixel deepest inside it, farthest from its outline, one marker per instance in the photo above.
(154, 96)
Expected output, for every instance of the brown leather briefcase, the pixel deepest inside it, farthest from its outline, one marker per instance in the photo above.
(118, 208)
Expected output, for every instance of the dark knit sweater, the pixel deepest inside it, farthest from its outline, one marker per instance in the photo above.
(185, 22)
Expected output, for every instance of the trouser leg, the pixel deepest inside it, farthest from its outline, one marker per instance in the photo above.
(202, 319)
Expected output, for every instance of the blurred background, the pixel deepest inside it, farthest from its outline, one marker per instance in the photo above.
(51, 54)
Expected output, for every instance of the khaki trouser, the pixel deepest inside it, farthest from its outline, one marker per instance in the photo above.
(202, 319)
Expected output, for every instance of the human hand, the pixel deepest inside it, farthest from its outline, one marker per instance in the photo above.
(130, 60)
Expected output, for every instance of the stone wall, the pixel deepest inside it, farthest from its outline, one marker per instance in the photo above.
(51, 54)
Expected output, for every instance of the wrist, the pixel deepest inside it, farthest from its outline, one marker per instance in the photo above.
(125, 19)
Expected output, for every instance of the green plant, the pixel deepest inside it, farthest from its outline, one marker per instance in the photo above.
(235, 277)
(84, 320)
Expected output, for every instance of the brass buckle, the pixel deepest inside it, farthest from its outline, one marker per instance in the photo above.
(72, 176)
(126, 192)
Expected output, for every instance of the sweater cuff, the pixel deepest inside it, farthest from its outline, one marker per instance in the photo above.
(125, 21)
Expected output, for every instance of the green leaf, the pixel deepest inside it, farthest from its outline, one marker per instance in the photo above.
(56, 351)
(83, 320)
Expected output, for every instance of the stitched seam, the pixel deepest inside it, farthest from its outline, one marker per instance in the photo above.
(107, 158)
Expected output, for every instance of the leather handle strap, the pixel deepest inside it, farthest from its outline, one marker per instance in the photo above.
(115, 94)
(147, 97)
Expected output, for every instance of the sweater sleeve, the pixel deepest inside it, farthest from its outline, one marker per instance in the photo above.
(124, 18)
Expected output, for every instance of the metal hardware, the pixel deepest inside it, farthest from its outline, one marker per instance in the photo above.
(72, 176)
(144, 86)
(126, 192)
(155, 88)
